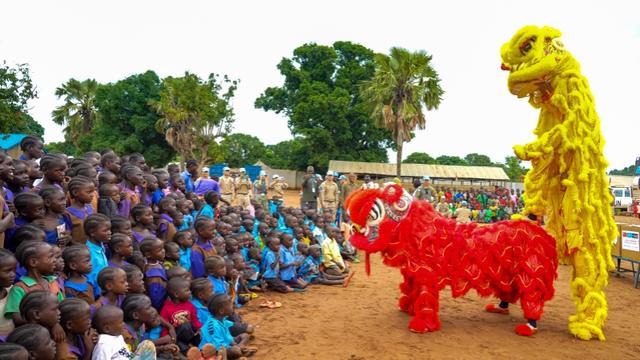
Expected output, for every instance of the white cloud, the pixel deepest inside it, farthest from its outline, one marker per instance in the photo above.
(111, 40)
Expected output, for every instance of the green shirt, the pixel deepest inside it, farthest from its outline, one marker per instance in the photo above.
(17, 293)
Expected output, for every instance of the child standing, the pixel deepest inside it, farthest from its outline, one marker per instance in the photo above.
(185, 241)
(155, 274)
(98, 229)
(81, 190)
(75, 318)
(121, 248)
(108, 200)
(203, 247)
(37, 258)
(142, 218)
(77, 265)
(8, 264)
(53, 167)
(130, 187)
(208, 210)
(113, 282)
(166, 228)
(36, 340)
(56, 226)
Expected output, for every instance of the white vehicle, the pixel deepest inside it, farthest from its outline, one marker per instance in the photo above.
(622, 197)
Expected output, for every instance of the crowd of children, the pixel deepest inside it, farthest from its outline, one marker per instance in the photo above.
(102, 257)
(478, 205)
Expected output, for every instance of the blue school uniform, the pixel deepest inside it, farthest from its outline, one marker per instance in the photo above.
(220, 286)
(157, 196)
(201, 310)
(98, 261)
(216, 332)
(267, 271)
(207, 211)
(308, 270)
(185, 258)
(153, 334)
(52, 236)
(287, 257)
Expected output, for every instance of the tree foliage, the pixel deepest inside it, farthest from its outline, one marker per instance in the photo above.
(127, 121)
(326, 115)
(403, 85)
(78, 112)
(16, 89)
(194, 113)
(450, 160)
(419, 158)
(628, 171)
(241, 149)
(63, 147)
(475, 159)
(514, 169)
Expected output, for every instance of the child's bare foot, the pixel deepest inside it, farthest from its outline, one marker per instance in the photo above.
(346, 281)
(194, 353)
(249, 351)
(250, 329)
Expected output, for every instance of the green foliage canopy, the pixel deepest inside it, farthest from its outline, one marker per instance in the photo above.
(16, 89)
(326, 115)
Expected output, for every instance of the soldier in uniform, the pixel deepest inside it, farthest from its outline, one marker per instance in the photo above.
(348, 187)
(277, 187)
(260, 187)
(329, 195)
(426, 191)
(243, 189)
(463, 214)
(227, 186)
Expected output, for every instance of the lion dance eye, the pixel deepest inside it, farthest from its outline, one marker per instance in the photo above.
(527, 46)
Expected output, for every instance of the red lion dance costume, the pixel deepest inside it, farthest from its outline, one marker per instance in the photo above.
(511, 260)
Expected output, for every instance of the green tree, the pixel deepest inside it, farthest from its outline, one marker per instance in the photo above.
(242, 149)
(475, 159)
(403, 84)
(628, 171)
(321, 98)
(127, 121)
(514, 169)
(16, 89)
(194, 113)
(63, 147)
(419, 158)
(289, 154)
(450, 160)
(78, 113)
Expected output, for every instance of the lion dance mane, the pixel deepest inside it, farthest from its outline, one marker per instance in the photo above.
(567, 183)
(512, 260)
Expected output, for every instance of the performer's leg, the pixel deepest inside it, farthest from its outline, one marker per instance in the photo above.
(502, 308)
(426, 307)
(406, 299)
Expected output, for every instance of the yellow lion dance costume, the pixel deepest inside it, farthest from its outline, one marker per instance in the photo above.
(567, 183)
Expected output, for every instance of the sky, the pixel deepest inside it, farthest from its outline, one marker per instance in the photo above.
(110, 40)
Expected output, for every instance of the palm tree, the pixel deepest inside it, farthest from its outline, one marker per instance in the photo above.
(403, 83)
(78, 111)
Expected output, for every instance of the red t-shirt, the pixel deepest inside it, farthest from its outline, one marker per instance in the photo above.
(178, 314)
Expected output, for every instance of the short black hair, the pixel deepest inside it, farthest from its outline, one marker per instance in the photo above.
(191, 162)
(29, 141)
(176, 283)
(28, 250)
(27, 232)
(23, 200)
(9, 351)
(104, 314)
(106, 275)
(70, 253)
(92, 222)
(118, 223)
(34, 300)
(213, 262)
(71, 309)
(198, 285)
(133, 303)
(27, 335)
(147, 244)
(216, 302)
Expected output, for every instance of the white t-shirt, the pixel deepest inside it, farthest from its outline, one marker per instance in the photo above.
(111, 348)
(6, 325)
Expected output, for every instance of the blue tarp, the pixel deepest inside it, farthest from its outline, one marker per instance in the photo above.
(7, 141)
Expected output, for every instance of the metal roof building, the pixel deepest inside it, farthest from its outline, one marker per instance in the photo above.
(436, 172)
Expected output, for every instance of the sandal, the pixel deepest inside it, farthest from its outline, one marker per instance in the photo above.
(275, 305)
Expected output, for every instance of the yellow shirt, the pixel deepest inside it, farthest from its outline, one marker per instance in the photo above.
(331, 253)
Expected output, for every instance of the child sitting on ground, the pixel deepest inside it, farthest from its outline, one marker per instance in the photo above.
(114, 286)
(216, 330)
(270, 267)
(181, 313)
(109, 323)
(332, 259)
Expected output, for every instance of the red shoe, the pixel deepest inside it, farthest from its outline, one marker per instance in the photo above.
(496, 309)
(525, 330)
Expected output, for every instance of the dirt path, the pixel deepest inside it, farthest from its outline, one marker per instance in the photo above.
(363, 322)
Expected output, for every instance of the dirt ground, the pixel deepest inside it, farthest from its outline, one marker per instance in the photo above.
(363, 322)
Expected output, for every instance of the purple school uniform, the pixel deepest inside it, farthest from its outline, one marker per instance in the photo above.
(156, 289)
(199, 252)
